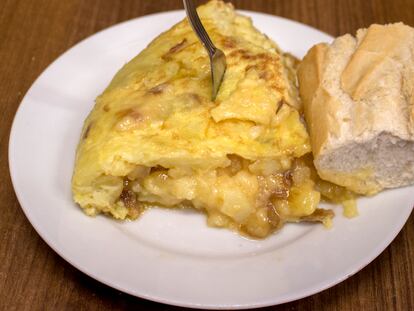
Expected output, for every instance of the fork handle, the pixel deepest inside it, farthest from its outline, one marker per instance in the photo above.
(198, 27)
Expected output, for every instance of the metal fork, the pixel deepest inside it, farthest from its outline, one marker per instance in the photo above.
(217, 57)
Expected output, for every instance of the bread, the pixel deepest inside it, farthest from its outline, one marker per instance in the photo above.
(358, 96)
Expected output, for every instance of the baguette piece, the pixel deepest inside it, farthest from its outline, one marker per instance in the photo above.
(358, 96)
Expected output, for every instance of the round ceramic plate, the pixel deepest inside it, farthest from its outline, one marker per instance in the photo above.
(171, 256)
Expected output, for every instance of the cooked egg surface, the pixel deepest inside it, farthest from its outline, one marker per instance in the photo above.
(155, 137)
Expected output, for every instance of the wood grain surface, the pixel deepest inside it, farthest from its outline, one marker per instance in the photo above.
(33, 33)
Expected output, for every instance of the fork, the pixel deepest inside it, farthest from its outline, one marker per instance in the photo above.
(217, 57)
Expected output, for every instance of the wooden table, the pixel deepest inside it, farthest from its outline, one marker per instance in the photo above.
(34, 33)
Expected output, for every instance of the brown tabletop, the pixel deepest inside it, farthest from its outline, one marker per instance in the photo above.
(34, 33)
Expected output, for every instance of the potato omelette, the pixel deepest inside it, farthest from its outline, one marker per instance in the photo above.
(155, 137)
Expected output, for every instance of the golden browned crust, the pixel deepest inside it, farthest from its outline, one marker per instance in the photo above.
(358, 97)
(379, 44)
(313, 97)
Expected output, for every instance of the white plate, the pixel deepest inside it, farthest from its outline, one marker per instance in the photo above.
(172, 256)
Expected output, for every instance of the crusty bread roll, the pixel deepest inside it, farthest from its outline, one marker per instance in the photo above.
(358, 96)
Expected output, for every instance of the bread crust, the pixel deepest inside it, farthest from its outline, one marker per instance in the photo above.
(358, 92)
